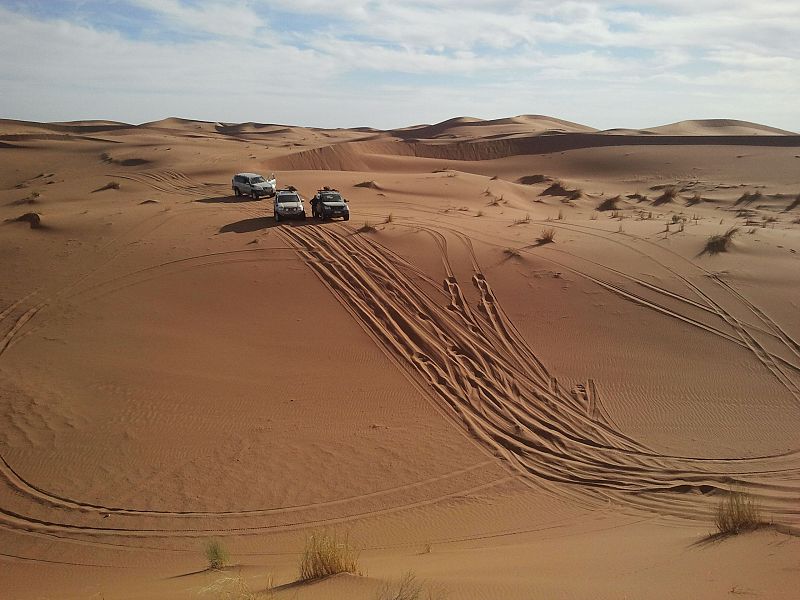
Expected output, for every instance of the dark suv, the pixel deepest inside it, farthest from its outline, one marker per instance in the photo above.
(328, 204)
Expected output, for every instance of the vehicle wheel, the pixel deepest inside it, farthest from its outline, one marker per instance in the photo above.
(236, 192)
(347, 218)
(254, 194)
(277, 218)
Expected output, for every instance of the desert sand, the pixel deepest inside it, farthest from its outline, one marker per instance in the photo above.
(519, 371)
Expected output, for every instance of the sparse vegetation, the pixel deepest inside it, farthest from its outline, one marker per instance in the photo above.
(389, 218)
(696, 199)
(737, 513)
(558, 189)
(608, 204)
(111, 185)
(523, 221)
(637, 196)
(668, 195)
(408, 587)
(720, 242)
(216, 554)
(327, 554)
(749, 197)
(512, 253)
(548, 236)
(367, 227)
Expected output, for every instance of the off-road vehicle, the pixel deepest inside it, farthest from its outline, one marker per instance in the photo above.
(288, 205)
(253, 185)
(328, 204)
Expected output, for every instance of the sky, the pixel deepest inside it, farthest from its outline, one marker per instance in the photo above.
(394, 63)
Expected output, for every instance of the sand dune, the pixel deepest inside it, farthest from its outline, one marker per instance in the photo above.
(495, 413)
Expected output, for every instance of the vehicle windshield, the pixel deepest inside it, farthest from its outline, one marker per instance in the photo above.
(258, 179)
(288, 199)
(331, 198)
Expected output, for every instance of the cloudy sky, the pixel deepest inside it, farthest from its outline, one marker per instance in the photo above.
(389, 63)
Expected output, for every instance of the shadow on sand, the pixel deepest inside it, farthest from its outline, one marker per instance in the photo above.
(261, 223)
(229, 199)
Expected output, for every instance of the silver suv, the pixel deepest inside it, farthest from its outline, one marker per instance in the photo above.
(253, 185)
(288, 205)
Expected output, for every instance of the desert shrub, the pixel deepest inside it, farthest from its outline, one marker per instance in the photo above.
(389, 218)
(367, 227)
(111, 185)
(608, 204)
(696, 199)
(408, 587)
(720, 242)
(548, 236)
(737, 513)
(749, 197)
(524, 220)
(326, 554)
(668, 195)
(511, 253)
(216, 554)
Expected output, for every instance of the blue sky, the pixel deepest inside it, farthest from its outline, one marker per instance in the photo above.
(387, 63)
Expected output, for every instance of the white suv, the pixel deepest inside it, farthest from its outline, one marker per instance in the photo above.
(288, 205)
(253, 184)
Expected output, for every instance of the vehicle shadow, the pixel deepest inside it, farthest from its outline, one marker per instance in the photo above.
(261, 223)
(229, 199)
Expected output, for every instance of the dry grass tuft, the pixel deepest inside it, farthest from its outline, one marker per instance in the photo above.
(326, 554)
(216, 554)
(111, 185)
(408, 587)
(738, 513)
(548, 236)
(609, 204)
(558, 189)
(668, 195)
(749, 197)
(512, 253)
(523, 221)
(696, 199)
(720, 242)
(389, 218)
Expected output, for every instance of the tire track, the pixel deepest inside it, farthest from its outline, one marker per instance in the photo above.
(540, 429)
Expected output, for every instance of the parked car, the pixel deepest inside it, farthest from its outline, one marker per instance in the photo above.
(328, 204)
(288, 205)
(253, 185)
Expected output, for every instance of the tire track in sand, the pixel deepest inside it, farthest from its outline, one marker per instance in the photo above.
(501, 398)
